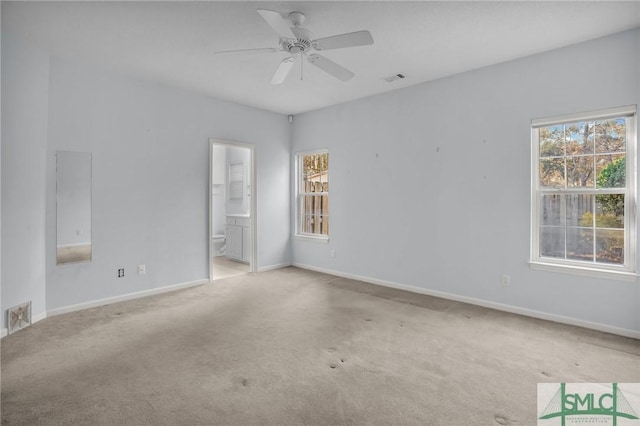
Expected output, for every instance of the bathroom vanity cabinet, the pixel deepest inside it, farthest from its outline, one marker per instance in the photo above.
(238, 233)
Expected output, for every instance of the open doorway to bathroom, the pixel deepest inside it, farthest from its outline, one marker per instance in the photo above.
(231, 209)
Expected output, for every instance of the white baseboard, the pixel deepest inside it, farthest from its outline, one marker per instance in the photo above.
(129, 296)
(480, 302)
(39, 317)
(272, 267)
(124, 297)
(88, 243)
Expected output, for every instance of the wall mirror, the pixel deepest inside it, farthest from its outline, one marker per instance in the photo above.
(73, 207)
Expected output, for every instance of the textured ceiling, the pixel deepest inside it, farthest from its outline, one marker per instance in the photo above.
(173, 43)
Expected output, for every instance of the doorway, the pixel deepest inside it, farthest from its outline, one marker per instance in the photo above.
(232, 209)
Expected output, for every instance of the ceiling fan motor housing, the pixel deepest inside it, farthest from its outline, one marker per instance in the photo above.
(302, 42)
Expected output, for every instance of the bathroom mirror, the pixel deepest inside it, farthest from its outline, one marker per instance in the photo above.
(73, 207)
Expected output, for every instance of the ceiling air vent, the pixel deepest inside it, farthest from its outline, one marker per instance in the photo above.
(393, 78)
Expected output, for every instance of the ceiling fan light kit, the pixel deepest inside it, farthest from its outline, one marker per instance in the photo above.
(298, 42)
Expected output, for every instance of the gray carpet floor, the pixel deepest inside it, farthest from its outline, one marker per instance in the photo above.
(294, 347)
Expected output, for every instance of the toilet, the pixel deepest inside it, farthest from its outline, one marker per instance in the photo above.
(219, 245)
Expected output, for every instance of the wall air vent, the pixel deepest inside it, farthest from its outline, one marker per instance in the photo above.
(394, 78)
(19, 317)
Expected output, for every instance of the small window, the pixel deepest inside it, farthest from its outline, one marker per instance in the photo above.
(236, 180)
(583, 197)
(313, 194)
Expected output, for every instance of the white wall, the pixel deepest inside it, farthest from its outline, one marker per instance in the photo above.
(430, 185)
(25, 84)
(150, 147)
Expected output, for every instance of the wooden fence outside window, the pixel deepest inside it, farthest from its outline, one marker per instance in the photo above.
(315, 208)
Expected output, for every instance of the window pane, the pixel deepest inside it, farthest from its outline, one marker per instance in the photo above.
(610, 246)
(579, 210)
(552, 242)
(552, 172)
(325, 168)
(551, 141)
(306, 213)
(311, 205)
(579, 138)
(236, 181)
(315, 169)
(315, 224)
(325, 225)
(610, 135)
(610, 211)
(580, 172)
(551, 210)
(611, 171)
(580, 244)
(314, 214)
(306, 224)
(313, 200)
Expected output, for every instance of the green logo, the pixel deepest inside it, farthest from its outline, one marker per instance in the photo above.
(586, 404)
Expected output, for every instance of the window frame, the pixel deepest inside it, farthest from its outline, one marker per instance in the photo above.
(240, 182)
(628, 270)
(299, 195)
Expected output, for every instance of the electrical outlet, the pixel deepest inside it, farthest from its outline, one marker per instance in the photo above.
(332, 253)
(142, 269)
(120, 272)
(506, 280)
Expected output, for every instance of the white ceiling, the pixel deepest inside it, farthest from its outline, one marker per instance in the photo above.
(173, 43)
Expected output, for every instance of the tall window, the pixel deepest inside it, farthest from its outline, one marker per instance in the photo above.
(236, 180)
(583, 197)
(313, 194)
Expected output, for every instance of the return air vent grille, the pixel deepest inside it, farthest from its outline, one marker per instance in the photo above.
(19, 317)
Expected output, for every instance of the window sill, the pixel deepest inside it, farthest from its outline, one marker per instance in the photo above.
(316, 239)
(583, 270)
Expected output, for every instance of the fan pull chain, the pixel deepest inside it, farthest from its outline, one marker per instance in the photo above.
(301, 66)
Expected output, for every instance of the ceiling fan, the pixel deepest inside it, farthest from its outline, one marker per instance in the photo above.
(298, 42)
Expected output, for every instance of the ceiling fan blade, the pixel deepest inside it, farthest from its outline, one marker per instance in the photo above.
(259, 50)
(338, 71)
(283, 70)
(277, 22)
(358, 38)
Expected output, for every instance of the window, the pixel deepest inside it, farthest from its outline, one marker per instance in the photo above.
(312, 170)
(583, 197)
(236, 180)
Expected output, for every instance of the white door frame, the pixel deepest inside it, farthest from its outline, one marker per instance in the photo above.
(253, 261)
